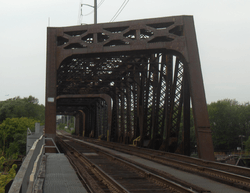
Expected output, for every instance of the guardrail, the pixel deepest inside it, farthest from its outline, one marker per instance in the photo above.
(27, 173)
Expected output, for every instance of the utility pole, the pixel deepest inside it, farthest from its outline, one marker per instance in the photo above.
(95, 12)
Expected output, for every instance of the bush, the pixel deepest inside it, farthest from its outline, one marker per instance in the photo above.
(6, 174)
(13, 135)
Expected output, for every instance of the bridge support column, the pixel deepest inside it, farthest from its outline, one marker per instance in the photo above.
(82, 125)
(199, 105)
(51, 71)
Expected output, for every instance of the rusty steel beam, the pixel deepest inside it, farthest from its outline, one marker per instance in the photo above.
(197, 92)
(129, 65)
(186, 114)
(51, 70)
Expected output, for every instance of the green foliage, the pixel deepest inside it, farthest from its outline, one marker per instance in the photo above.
(62, 125)
(247, 144)
(7, 162)
(228, 120)
(13, 134)
(18, 145)
(18, 107)
(16, 115)
(6, 174)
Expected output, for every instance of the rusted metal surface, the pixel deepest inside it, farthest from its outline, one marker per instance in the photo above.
(140, 65)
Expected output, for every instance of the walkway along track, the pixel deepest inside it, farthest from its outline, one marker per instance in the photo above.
(116, 174)
(232, 175)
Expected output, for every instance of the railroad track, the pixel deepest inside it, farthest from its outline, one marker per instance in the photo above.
(232, 175)
(229, 174)
(113, 174)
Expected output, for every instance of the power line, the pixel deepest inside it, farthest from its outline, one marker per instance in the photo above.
(99, 5)
(119, 10)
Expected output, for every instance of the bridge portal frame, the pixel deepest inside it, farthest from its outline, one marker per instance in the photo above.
(173, 34)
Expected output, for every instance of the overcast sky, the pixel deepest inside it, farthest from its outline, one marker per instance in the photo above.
(222, 29)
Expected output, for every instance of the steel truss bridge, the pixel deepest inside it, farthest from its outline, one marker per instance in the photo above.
(129, 81)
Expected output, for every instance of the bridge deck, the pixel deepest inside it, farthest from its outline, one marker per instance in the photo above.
(60, 176)
(197, 180)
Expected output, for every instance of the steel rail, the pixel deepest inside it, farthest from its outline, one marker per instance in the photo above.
(226, 177)
(109, 181)
(173, 186)
(215, 165)
(80, 175)
(162, 180)
(90, 182)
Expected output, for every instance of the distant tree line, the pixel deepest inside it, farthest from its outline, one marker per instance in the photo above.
(22, 107)
(230, 123)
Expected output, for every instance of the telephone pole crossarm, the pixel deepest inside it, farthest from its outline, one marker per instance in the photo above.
(95, 10)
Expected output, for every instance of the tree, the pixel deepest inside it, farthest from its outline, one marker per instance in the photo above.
(228, 119)
(16, 115)
(247, 144)
(26, 107)
(13, 134)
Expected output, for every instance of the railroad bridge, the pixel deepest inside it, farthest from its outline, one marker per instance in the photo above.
(126, 82)
(129, 80)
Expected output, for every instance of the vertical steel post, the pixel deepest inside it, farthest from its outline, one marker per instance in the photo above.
(83, 122)
(122, 118)
(186, 113)
(163, 63)
(169, 80)
(118, 118)
(128, 97)
(136, 108)
(51, 78)
(77, 125)
(95, 12)
(158, 95)
(140, 110)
